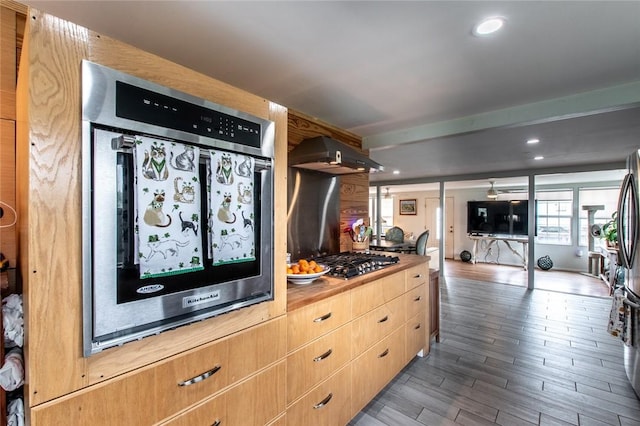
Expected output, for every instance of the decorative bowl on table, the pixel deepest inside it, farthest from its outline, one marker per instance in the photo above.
(304, 279)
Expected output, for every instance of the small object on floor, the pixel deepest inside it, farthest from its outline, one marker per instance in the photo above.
(465, 256)
(545, 263)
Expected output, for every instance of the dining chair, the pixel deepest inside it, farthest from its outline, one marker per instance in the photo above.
(394, 234)
(421, 243)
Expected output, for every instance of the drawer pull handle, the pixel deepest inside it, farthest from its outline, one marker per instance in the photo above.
(383, 354)
(417, 276)
(417, 299)
(323, 356)
(386, 317)
(416, 327)
(323, 318)
(201, 377)
(323, 402)
(216, 423)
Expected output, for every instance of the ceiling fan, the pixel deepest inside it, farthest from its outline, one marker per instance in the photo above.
(387, 195)
(492, 193)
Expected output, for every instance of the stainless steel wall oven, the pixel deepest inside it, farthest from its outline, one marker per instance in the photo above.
(177, 197)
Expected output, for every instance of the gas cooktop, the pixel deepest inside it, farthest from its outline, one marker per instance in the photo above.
(351, 264)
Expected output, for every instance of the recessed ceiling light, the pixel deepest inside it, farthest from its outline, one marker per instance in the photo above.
(532, 141)
(539, 157)
(396, 172)
(489, 26)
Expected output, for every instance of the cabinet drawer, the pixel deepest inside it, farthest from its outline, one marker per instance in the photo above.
(416, 300)
(370, 296)
(376, 367)
(316, 361)
(254, 402)
(188, 378)
(416, 275)
(124, 401)
(312, 321)
(416, 332)
(328, 404)
(375, 325)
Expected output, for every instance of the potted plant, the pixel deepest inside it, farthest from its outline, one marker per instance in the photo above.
(610, 231)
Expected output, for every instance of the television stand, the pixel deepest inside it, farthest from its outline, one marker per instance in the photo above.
(507, 240)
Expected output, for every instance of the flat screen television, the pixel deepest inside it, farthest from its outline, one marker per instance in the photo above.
(498, 217)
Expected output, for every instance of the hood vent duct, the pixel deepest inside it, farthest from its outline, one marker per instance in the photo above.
(327, 155)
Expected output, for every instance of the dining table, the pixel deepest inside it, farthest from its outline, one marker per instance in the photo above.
(380, 244)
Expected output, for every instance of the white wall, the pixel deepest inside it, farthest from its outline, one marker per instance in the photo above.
(564, 257)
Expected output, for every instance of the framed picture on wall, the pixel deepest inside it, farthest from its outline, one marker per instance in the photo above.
(408, 206)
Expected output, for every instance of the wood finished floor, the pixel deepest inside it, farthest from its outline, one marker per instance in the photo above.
(512, 356)
(553, 279)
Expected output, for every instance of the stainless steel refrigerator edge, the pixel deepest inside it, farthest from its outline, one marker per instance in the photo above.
(629, 240)
(313, 214)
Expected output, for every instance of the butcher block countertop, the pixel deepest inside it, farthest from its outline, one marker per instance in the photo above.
(299, 296)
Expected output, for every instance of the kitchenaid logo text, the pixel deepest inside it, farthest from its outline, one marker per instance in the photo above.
(200, 299)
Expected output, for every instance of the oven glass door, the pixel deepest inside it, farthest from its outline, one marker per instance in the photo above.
(123, 305)
(129, 281)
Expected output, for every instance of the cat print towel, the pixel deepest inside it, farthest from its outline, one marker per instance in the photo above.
(168, 207)
(231, 208)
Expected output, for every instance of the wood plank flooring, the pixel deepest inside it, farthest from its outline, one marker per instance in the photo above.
(512, 356)
(553, 279)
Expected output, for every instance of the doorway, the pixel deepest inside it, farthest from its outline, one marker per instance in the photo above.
(432, 219)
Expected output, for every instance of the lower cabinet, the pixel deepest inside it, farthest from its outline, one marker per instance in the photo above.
(343, 350)
(241, 378)
(254, 402)
(376, 367)
(316, 361)
(318, 365)
(328, 404)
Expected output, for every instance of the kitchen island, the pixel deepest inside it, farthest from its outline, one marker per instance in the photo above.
(299, 296)
(347, 339)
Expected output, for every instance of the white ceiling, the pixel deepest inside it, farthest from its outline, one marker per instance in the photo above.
(431, 100)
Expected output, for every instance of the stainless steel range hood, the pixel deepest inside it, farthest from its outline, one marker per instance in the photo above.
(327, 155)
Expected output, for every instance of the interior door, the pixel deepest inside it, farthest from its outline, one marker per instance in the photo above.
(448, 228)
(432, 223)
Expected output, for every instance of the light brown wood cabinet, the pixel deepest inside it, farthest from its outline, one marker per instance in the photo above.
(258, 365)
(383, 323)
(328, 404)
(254, 402)
(136, 383)
(312, 321)
(243, 375)
(376, 367)
(316, 361)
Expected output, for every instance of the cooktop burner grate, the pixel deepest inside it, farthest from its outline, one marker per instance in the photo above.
(350, 264)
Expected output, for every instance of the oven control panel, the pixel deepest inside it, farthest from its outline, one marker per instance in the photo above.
(139, 104)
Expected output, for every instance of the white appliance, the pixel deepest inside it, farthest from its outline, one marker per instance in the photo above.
(629, 241)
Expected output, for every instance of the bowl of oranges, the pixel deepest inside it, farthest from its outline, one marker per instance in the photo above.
(305, 271)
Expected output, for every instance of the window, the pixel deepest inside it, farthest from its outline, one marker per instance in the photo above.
(607, 197)
(386, 213)
(553, 217)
